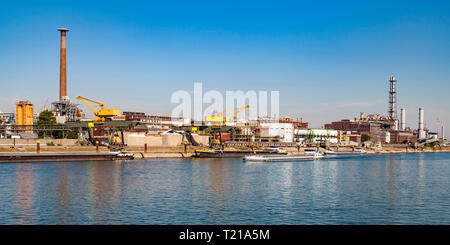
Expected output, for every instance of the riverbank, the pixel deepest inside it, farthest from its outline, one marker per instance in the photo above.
(181, 152)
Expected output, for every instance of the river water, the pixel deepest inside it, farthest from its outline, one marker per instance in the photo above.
(372, 189)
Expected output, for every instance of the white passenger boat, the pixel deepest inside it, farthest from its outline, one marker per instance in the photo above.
(286, 158)
(355, 152)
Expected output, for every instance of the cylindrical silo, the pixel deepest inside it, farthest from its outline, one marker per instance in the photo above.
(421, 127)
(403, 119)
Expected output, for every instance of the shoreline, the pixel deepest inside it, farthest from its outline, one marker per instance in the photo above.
(178, 152)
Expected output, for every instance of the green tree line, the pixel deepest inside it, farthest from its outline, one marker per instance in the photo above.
(47, 118)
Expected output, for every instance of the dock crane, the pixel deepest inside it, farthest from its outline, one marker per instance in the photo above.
(101, 114)
(220, 118)
(219, 122)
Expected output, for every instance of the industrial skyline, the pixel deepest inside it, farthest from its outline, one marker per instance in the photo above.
(347, 66)
(211, 113)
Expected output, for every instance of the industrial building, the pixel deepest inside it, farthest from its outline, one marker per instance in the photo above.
(317, 136)
(351, 127)
(152, 122)
(283, 132)
(402, 136)
(382, 129)
(6, 118)
(65, 110)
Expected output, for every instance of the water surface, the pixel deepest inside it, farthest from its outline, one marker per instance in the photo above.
(372, 189)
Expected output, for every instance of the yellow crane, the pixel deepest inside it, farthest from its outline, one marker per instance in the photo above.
(221, 119)
(102, 114)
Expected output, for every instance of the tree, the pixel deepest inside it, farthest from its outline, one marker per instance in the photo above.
(46, 118)
(365, 137)
(72, 135)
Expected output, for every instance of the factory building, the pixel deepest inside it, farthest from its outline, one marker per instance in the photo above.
(153, 123)
(297, 123)
(265, 130)
(433, 135)
(280, 131)
(317, 136)
(373, 129)
(351, 138)
(385, 137)
(378, 132)
(6, 118)
(382, 129)
(401, 136)
(65, 110)
(281, 128)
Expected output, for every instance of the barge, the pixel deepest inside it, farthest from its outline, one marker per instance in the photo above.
(288, 158)
(230, 153)
(66, 156)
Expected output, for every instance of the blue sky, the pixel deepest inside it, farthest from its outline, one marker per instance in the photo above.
(330, 60)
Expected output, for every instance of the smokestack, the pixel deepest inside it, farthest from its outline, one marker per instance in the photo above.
(62, 67)
(443, 135)
(392, 112)
(402, 119)
(421, 129)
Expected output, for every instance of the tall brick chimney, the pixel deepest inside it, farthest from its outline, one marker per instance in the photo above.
(62, 68)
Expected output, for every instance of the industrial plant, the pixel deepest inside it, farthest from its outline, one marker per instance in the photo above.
(117, 130)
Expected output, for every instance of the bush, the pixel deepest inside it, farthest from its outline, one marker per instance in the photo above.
(365, 137)
(50, 143)
(432, 144)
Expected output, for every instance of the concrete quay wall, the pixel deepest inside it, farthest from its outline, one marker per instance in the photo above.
(43, 142)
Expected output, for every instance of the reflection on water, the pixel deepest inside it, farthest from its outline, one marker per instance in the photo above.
(63, 195)
(105, 189)
(215, 174)
(421, 172)
(24, 193)
(390, 179)
(375, 189)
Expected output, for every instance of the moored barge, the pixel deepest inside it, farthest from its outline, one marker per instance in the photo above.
(65, 156)
(236, 153)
